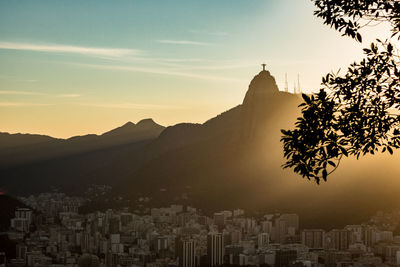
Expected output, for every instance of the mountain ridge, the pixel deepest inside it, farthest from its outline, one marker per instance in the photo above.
(15, 151)
(231, 161)
(45, 136)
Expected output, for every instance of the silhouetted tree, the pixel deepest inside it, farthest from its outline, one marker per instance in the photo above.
(356, 113)
(349, 16)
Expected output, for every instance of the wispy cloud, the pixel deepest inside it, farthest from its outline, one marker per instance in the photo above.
(61, 48)
(31, 93)
(5, 92)
(184, 42)
(159, 71)
(23, 104)
(15, 78)
(217, 33)
(179, 60)
(220, 67)
(127, 106)
(68, 95)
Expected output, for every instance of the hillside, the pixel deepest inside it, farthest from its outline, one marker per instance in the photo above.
(230, 161)
(22, 149)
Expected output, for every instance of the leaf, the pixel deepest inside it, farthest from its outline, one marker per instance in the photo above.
(344, 151)
(390, 48)
(324, 175)
(306, 98)
(358, 37)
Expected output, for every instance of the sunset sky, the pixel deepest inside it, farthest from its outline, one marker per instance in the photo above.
(76, 67)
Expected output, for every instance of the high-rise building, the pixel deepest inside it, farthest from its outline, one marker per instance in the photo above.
(266, 226)
(263, 239)
(236, 237)
(279, 231)
(284, 258)
(24, 213)
(112, 259)
(284, 226)
(20, 224)
(215, 249)
(238, 212)
(187, 253)
(338, 239)
(21, 250)
(126, 218)
(291, 219)
(356, 233)
(22, 220)
(114, 225)
(161, 243)
(369, 235)
(219, 220)
(313, 238)
(85, 242)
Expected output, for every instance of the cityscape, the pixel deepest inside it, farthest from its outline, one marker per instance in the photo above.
(257, 133)
(50, 231)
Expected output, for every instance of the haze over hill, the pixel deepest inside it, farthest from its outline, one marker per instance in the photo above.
(19, 149)
(230, 161)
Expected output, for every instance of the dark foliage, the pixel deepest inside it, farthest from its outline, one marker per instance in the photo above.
(349, 16)
(356, 113)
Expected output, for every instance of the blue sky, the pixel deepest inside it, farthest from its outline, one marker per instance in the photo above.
(76, 67)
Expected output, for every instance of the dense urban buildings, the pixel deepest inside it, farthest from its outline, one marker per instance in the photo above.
(53, 233)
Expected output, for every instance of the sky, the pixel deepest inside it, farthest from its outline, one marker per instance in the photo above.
(76, 67)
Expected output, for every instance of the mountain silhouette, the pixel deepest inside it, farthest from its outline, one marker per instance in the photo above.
(144, 127)
(231, 161)
(19, 149)
(15, 140)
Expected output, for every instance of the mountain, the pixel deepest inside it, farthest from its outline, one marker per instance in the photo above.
(234, 160)
(142, 130)
(21, 149)
(231, 161)
(15, 140)
(222, 162)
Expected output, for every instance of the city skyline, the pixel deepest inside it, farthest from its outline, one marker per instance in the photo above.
(182, 235)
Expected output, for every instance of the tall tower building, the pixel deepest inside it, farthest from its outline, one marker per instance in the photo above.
(186, 253)
(22, 220)
(292, 220)
(21, 251)
(338, 239)
(215, 249)
(263, 239)
(313, 238)
(219, 220)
